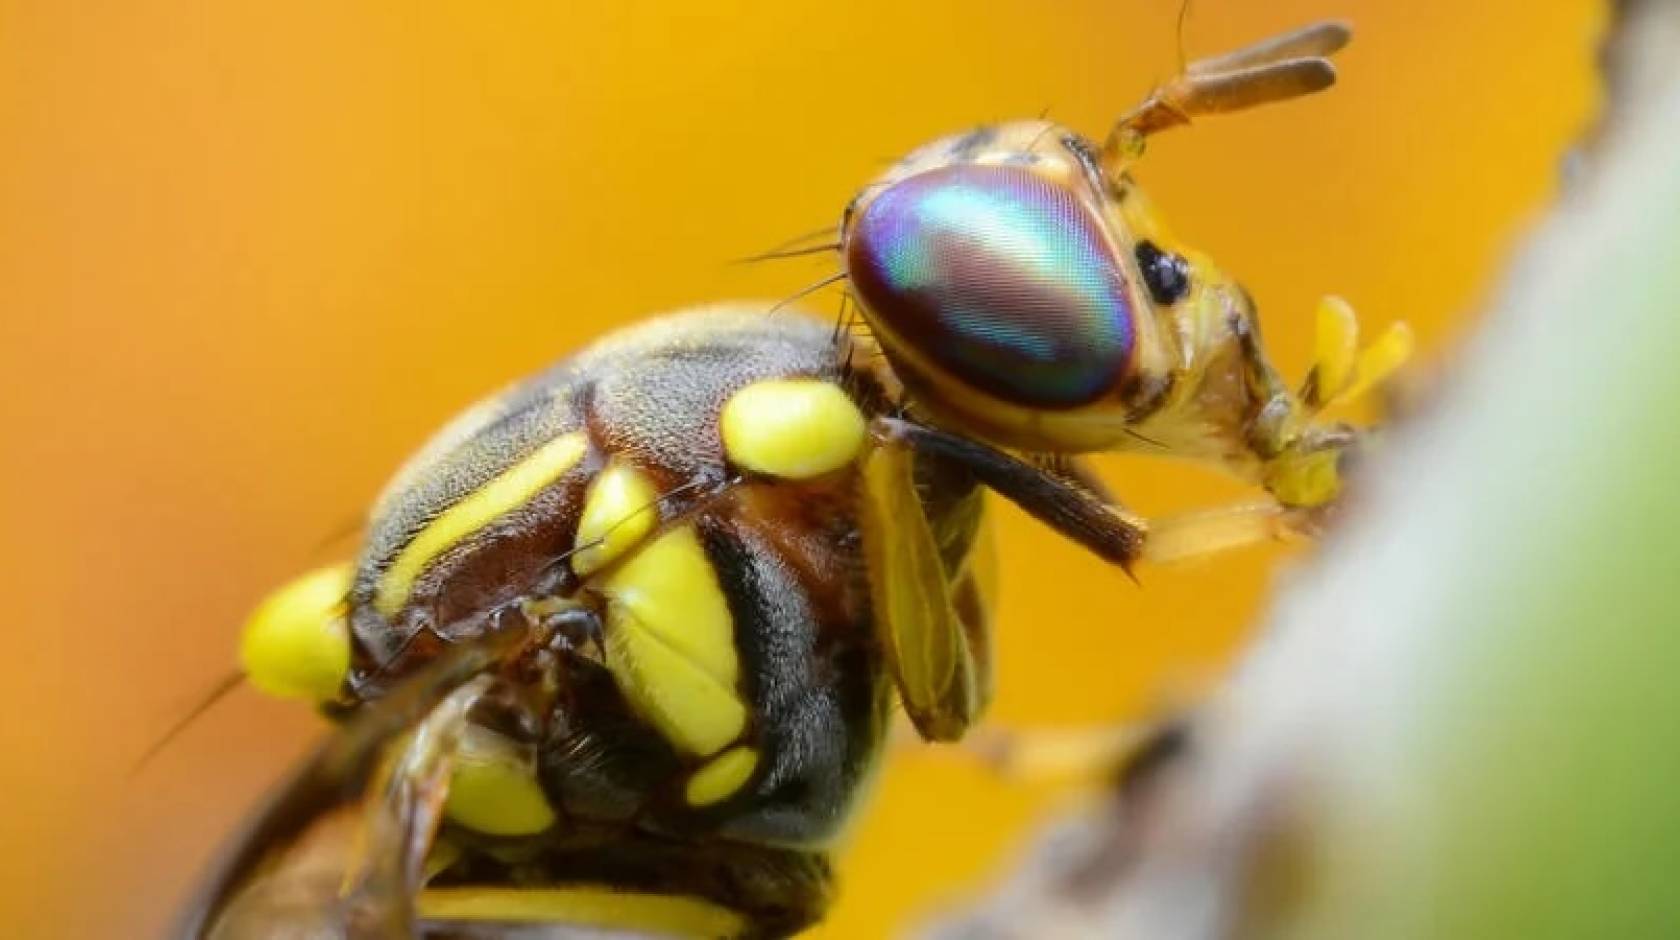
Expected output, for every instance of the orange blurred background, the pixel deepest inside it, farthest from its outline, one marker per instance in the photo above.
(251, 254)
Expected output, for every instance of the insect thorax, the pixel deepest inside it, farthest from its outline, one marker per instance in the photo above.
(717, 670)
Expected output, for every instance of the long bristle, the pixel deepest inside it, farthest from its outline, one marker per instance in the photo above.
(789, 253)
(216, 693)
(806, 292)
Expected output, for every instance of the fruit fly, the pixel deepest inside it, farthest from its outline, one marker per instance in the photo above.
(621, 644)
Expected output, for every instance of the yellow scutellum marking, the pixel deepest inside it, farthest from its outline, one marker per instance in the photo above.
(792, 428)
(297, 643)
(671, 643)
(1380, 360)
(621, 510)
(511, 489)
(1336, 346)
(494, 788)
(722, 777)
(584, 906)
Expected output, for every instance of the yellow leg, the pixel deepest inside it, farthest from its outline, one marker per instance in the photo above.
(1044, 756)
(353, 872)
(1094, 755)
(401, 819)
(938, 664)
(1341, 371)
(354, 867)
(1209, 532)
(1379, 361)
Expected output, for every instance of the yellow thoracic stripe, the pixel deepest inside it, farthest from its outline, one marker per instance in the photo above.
(584, 906)
(511, 489)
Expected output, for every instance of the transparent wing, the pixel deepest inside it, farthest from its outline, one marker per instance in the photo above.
(336, 850)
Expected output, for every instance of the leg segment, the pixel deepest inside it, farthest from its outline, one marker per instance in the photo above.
(401, 819)
(1048, 756)
(1068, 507)
(1208, 532)
(347, 873)
(932, 656)
(932, 605)
(931, 610)
(1083, 513)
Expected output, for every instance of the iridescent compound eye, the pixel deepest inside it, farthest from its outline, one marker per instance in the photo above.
(998, 277)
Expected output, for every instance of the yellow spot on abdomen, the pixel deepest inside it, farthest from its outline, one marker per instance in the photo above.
(584, 906)
(792, 428)
(494, 788)
(621, 510)
(508, 491)
(722, 777)
(671, 643)
(297, 643)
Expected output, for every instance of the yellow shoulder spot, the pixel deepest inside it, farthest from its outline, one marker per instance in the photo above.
(508, 491)
(494, 789)
(621, 510)
(297, 643)
(792, 428)
(671, 643)
(722, 777)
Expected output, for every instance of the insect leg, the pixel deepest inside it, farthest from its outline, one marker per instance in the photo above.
(1194, 535)
(269, 867)
(938, 663)
(355, 872)
(1039, 756)
(401, 818)
(1079, 512)
(1341, 371)
(932, 611)
(1065, 505)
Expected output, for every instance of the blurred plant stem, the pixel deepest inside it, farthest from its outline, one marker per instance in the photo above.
(1465, 720)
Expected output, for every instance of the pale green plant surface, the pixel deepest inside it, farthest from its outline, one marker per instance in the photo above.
(1517, 584)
